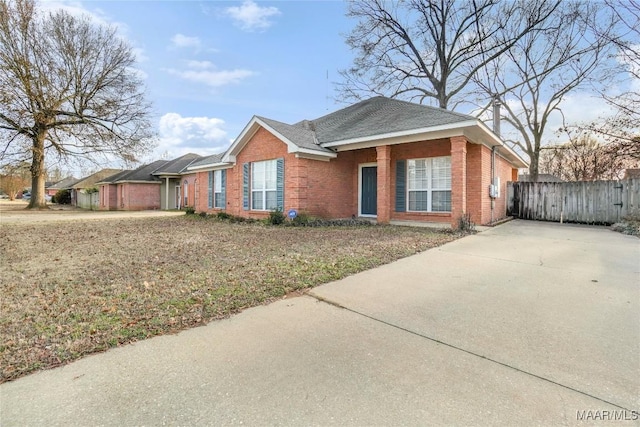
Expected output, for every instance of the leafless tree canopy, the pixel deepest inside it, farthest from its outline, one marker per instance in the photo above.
(584, 158)
(622, 131)
(67, 87)
(543, 67)
(426, 50)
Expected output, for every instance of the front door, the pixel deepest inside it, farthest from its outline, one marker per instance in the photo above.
(369, 191)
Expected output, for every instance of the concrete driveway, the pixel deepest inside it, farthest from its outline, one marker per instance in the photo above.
(525, 324)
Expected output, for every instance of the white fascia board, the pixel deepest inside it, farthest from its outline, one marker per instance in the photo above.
(303, 152)
(313, 155)
(126, 181)
(493, 140)
(446, 130)
(209, 166)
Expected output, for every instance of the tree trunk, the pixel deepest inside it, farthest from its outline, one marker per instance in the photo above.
(38, 173)
(534, 161)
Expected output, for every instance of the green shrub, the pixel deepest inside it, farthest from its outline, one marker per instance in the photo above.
(224, 216)
(276, 217)
(301, 220)
(189, 210)
(62, 197)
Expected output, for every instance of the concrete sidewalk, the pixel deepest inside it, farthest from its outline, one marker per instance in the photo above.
(525, 324)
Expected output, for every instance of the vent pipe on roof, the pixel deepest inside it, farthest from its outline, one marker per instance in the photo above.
(496, 115)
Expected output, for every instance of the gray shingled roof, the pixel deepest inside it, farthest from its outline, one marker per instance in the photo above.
(374, 116)
(113, 178)
(302, 133)
(177, 166)
(64, 184)
(143, 173)
(92, 179)
(208, 160)
(382, 115)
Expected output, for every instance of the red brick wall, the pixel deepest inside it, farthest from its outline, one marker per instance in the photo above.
(505, 171)
(108, 197)
(138, 196)
(191, 189)
(330, 186)
(478, 181)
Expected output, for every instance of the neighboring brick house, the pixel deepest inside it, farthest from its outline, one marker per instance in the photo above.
(64, 184)
(132, 190)
(380, 158)
(79, 189)
(178, 188)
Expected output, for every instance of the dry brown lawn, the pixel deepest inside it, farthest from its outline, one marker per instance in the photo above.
(69, 289)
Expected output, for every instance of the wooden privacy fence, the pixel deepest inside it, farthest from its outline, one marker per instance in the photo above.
(88, 200)
(588, 202)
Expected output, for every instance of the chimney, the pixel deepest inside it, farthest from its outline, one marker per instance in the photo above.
(496, 115)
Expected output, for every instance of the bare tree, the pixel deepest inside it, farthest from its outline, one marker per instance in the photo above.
(67, 86)
(622, 130)
(542, 68)
(583, 158)
(425, 50)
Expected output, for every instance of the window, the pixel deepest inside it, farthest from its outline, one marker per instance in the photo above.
(186, 193)
(263, 185)
(217, 190)
(429, 184)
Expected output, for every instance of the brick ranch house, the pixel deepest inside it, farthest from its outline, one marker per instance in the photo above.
(163, 184)
(384, 159)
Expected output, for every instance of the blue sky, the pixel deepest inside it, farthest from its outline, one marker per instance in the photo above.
(209, 66)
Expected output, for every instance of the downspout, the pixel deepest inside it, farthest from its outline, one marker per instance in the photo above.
(496, 130)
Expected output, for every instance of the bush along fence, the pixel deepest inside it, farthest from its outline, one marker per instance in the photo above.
(587, 202)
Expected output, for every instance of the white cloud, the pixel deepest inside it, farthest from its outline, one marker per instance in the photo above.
(251, 17)
(205, 72)
(182, 41)
(180, 135)
(200, 65)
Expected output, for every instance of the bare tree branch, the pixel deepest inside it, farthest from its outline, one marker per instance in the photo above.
(68, 85)
(429, 50)
(543, 67)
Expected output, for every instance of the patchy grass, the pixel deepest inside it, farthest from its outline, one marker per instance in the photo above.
(629, 226)
(71, 289)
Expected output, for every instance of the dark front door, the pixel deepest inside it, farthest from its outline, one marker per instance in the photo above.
(369, 191)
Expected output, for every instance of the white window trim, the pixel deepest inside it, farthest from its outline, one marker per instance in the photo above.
(217, 187)
(429, 188)
(265, 190)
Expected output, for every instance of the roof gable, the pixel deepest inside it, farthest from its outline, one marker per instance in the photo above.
(298, 139)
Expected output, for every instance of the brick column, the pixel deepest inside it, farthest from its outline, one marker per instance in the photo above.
(384, 183)
(458, 178)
